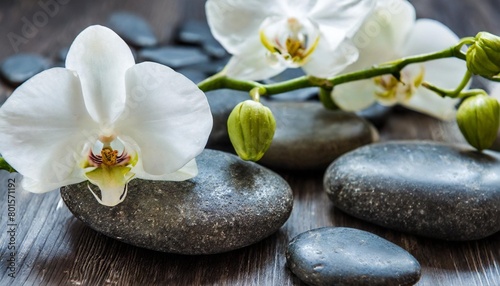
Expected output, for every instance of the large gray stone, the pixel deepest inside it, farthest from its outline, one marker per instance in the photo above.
(347, 256)
(449, 192)
(310, 137)
(229, 205)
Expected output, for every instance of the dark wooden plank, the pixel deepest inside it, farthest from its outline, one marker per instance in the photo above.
(54, 248)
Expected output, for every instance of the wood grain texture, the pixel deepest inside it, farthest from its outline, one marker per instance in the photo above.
(54, 248)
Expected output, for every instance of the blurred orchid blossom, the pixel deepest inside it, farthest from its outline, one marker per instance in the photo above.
(400, 35)
(104, 119)
(266, 37)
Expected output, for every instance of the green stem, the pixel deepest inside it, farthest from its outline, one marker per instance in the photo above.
(220, 80)
(453, 93)
(5, 166)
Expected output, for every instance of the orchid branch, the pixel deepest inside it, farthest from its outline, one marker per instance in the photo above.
(221, 81)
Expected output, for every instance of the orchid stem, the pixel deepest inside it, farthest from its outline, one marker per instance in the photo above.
(453, 93)
(5, 166)
(221, 81)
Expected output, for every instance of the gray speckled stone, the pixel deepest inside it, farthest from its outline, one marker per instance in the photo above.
(221, 104)
(229, 205)
(431, 189)
(133, 29)
(19, 68)
(310, 137)
(347, 256)
(174, 57)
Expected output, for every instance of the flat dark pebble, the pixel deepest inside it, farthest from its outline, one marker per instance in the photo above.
(19, 68)
(347, 256)
(450, 192)
(230, 204)
(175, 57)
(134, 29)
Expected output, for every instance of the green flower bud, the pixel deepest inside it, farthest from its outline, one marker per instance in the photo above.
(251, 128)
(483, 57)
(478, 118)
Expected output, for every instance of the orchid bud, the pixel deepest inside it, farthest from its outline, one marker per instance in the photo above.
(251, 128)
(478, 118)
(483, 57)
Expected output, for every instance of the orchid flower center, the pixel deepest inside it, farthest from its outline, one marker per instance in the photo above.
(109, 167)
(289, 40)
(390, 90)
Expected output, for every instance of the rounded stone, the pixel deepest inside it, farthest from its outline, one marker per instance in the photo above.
(449, 192)
(308, 136)
(21, 67)
(347, 256)
(229, 205)
(133, 29)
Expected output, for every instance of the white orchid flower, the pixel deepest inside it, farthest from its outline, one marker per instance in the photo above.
(392, 33)
(266, 37)
(104, 119)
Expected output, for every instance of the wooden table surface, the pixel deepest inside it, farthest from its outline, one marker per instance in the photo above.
(54, 248)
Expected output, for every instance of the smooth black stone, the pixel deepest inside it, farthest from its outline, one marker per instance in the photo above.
(211, 67)
(133, 29)
(174, 57)
(21, 67)
(194, 32)
(309, 137)
(347, 256)
(194, 75)
(229, 205)
(449, 192)
(222, 102)
(376, 113)
(214, 49)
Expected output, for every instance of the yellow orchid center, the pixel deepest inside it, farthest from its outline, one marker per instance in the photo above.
(292, 40)
(110, 170)
(391, 90)
(109, 156)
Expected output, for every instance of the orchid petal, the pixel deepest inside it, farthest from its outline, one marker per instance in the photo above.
(236, 23)
(166, 115)
(256, 66)
(101, 58)
(328, 60)
(445, 73)
(44, 127)
(354, 96)
(34, 186)
(426, 101)
(345, 15)
(383, 35)
(188, 171)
